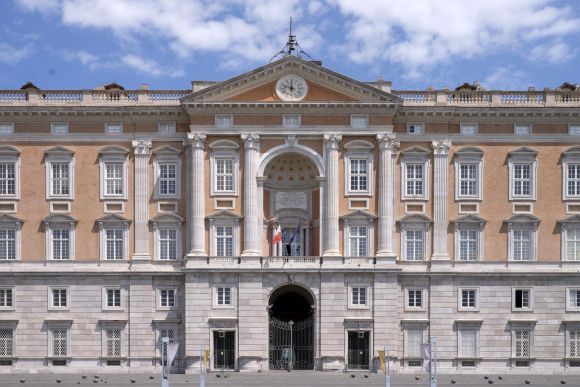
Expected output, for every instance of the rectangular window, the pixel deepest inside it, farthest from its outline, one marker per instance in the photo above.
(6, 128)
(358, 241)
(113, 342)
(359, 296)
(59, 129)
(59, 342)
(166, 127)
(574, 129)
(224, 236)
(414, 245)
(60, 179)
(414, 179)
(170, 334)
(573, 298)
(468, 245)
(7, 244)
(224, 121)
(468, 343)
(414, 298)
(522, 343)
(167, 244)
(522, 245)
(291, 121)
(114, 128)
(522, 184)
(115, 239)
(224, 175)
(59, 298)
(416, 128)
(359, 175)
(224, 296)
(8, 178)
(574, 343)
(359, 121)
(60, 243)
(572, 244)
(468, 129)
(469, 298)
(522, 129)
(414, 341)
(7, 342)
(114, 179)
(6, 298)
(573, 181)
(167, 298)
(522, 299)
(468, 180)
(167, 178)
(113, 298)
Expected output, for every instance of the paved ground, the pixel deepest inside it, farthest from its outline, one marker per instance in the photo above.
(284, 379)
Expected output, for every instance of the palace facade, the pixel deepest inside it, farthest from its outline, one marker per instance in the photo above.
(131, 215)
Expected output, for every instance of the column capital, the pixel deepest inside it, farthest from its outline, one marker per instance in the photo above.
(141, 147)
(387, 141)
(251, 140)
(441, 147)
(332, 140)
(195, 140)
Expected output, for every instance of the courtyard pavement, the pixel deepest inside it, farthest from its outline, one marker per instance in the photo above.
(284, 379)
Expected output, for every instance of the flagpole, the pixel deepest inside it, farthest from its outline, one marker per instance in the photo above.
(433, 368)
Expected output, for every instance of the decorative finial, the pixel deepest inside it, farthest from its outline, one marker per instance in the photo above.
(291, 48)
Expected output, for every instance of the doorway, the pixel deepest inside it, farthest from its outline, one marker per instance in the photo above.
(224, 350)
(358, 350)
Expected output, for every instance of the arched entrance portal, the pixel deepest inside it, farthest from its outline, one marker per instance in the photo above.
(291, 331)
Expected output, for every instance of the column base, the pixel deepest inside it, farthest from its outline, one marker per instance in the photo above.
(440, 257)
(386, 258)
(197, 253)
(440, 263)
(251, 253)
(331, 253)
(137, 258)
(250, 261)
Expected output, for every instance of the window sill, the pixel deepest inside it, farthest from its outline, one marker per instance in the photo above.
(471, 310)
(414, 310)
(359, 307)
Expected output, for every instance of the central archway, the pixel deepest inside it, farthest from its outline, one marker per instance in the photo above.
(291, 328)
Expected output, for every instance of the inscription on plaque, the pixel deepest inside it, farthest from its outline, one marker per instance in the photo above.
(291, 199)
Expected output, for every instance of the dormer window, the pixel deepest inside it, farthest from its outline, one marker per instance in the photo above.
(291, 120)
(59, 129)
(468, 129)
(224, 120)
(359, 121)
(166, 127)
(522, 129)
(416, 128)
(114, 128)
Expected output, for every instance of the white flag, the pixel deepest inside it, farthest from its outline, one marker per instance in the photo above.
(171, 352)
(426, 355)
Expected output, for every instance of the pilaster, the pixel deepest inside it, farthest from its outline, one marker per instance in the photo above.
(440, 217)
(331, 209)
(196, 194)
(141, 150)
(252, 221)
(386, 204)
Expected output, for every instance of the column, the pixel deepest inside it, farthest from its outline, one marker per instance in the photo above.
(196, 194)
(385, 192)
(252, 221)
(141, 151)
(441, 161)
(331, 211)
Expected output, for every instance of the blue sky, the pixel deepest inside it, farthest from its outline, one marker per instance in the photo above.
(75, 44)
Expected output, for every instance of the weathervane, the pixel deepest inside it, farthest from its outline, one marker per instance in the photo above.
(291, 48)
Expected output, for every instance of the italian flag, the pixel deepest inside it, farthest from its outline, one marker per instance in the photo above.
(277, 237)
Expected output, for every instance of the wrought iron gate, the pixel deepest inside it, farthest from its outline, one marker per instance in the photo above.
(358, 350)
(302, 344)
(224, 350)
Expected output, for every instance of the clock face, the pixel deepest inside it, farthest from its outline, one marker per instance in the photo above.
(291, 88)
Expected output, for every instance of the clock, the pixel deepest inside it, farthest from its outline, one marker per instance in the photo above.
(291, 88)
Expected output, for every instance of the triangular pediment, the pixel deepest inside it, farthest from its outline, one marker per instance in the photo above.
(259, 85)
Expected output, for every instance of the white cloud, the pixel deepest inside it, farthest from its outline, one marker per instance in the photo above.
(507, 78)
(12, 55)
(556, 52)
(150, 67)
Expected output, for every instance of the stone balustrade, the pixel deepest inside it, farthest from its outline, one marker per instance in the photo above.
(480, 98)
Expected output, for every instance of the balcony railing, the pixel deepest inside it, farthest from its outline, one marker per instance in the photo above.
(116, 97)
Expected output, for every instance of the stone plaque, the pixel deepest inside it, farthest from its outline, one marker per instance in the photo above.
(291, 199)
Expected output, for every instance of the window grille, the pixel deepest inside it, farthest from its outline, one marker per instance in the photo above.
(358, 174)
(113, 337)
(7, 178)
(6, 298)
(170, 334)
(7, 244)
(358, 241)
(414, 341)
(167, 244)
(223, 296)
(224, 241)
(59, 342)
(60, 244)
(6, 342)
(414, 179)
(574, 343)
(522, 343)
(115, 243)
(359, 295)
(114, 179)
(414, 245)
(167, 178)
(224, 174)
(468, 341)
